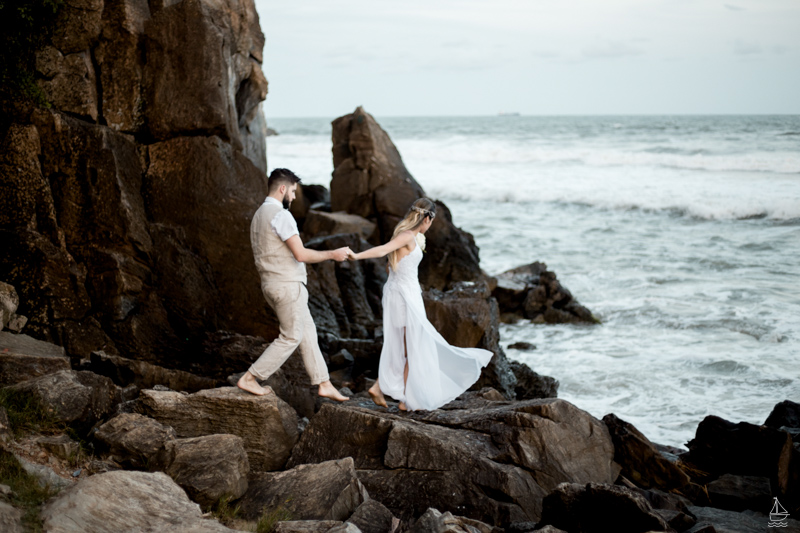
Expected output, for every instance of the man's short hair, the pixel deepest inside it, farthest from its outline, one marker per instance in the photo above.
(281, 176)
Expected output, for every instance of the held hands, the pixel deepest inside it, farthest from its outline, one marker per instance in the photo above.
(342, 254)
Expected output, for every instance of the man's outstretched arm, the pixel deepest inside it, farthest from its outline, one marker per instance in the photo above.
(306, 255)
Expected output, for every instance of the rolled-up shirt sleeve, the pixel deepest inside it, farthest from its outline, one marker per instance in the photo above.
(284, 225)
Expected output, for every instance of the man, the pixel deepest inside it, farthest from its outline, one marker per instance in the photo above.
(280, 260)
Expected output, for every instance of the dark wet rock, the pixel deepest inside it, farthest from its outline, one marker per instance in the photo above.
(598, 507)
(319, 224)
(533, 292)
(372, 517)
(784, 414)
(738, 493)
(126, 501)
(676, 519)
(744, 522)
(522, 346)
(531, 385)
(134, 440)
(124, 371)
(267, 424)
(517, 453)
(329, 490)
(370, 180)
(722, 447)
(641, 462)
(80, 399)
(207, 468)
(23, 358)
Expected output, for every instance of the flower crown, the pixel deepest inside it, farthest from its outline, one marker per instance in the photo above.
(424, 212)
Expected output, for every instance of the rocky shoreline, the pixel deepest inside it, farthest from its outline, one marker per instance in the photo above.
(129, 303)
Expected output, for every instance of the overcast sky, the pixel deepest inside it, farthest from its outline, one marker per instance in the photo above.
(540, 57)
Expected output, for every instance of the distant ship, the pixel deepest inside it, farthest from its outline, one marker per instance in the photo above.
(508, 114)
(777, 517)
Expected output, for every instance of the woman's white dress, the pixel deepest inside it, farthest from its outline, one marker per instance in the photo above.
(437, 371)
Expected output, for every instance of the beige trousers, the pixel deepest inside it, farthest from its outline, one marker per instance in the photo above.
(289, 300)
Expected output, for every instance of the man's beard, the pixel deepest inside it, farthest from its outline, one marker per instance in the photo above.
(286, 202)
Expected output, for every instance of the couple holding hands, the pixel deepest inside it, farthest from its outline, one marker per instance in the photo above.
(417, 366)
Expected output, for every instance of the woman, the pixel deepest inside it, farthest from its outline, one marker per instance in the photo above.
(417, 367)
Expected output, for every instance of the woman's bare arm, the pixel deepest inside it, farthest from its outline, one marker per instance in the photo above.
(404, 239)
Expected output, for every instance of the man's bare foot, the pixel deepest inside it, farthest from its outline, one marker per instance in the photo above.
(327, 390)
(377, 396)
(402, 406)
(248, 383)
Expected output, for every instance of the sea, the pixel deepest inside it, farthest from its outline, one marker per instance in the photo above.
(680, 233)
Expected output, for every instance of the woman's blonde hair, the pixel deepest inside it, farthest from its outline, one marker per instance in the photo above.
(416, 215)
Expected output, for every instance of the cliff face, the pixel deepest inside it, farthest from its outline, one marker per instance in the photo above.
(125, 208)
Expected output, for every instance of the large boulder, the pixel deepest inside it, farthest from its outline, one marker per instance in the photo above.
(23, 358)
(329, 490)
(784, 414)
(723, 447)
(320, 224)
(208, 468)
(739, 493)
(373, 517)
(598, 508)
(370, 180)
(134, 440)
(640, 460)
(516, 452)
(126, 501)
(533, 292)
(267, 424)
(124, 372)
(77, 398)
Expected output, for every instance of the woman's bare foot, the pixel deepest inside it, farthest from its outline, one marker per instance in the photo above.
(377, 396)
(327, 390)
(248, 383)
(402, 406)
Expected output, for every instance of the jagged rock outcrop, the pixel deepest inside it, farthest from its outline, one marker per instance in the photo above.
(722, 447)
(122, 198)
(533, 292)
(329, 490)
(23, 358)
(370, 180)
(208, 468)
(597, 508)
(80, 399)
(124, 372)
(489, 460)
(640, 460)
(267, 424)
(134, 440)
(126, 501)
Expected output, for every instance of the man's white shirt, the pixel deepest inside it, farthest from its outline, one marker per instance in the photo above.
(283, 224)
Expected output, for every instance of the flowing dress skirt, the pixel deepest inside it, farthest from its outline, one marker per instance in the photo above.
(437, 371)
